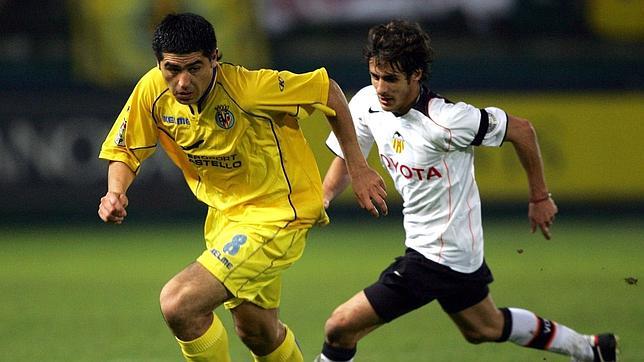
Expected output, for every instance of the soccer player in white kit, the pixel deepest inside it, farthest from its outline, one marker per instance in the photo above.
(426, 144)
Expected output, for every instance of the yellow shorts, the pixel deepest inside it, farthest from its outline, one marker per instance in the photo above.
(250, 258)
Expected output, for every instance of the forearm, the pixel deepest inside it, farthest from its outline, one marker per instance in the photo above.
(119, 177)
(336, 180)
(524, 139)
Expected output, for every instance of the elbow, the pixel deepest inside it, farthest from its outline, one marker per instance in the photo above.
(520, 129)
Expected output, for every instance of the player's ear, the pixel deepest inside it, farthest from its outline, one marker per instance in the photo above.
(417, 75)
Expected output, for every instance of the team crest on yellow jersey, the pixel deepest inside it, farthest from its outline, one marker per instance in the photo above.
(224, 117)
(398, 143)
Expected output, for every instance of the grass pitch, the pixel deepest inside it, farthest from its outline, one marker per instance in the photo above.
(90, 292)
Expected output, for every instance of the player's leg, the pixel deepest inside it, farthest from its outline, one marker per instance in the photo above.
(484, 322)
(405, 285)
(264, 334)
(250, 259)
(187, 304)
(348, 323)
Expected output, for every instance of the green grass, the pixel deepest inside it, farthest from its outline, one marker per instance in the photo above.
(90, 292)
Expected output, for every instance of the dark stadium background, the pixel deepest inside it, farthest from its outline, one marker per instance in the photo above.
(68, 68)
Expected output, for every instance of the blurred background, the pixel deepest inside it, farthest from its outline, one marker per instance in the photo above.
(574, 68)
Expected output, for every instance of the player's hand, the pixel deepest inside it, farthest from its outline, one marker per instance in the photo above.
(542, 214)
(370, 190)
(112, 208)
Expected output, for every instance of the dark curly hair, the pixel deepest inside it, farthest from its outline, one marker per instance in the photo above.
(182, 34)
(405, 46)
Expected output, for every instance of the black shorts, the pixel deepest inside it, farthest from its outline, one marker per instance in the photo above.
(413, 281)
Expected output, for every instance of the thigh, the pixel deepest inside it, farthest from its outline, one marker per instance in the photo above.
(405, 285)
(249, 260)
(197, 289)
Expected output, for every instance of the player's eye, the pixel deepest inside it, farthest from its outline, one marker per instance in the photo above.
(173, 70)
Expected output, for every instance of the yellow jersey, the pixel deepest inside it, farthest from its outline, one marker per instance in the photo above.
(241, 149)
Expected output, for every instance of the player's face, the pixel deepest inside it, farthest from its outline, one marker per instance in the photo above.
(396, 92)
(187, 75)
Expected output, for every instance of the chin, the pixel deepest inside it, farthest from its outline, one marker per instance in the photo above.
(185, 101)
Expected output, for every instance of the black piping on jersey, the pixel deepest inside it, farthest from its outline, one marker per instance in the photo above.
(154, 105)
(506, 128)
(192, 146)
(279, 149)
(483, 127)
(159, 127)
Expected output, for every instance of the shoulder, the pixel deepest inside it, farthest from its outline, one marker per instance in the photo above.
(368, 92)
(442, 110)
(150, 86)
(364, 99)
(153, 79)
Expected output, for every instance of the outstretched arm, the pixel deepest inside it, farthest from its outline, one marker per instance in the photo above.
(113, 204)
(542, 208)
(368, 186)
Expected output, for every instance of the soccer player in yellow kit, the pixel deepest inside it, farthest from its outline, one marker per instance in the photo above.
(234, 134)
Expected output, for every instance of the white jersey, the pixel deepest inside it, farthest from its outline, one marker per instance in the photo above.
(428, 153)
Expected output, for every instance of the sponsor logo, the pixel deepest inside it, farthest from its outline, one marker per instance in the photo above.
(410, 172)
(398, 143)
(176, 120)
(229, 162)
(119, 140)
(373, 111)
(224, 117)
(281, 83)
(222, 258)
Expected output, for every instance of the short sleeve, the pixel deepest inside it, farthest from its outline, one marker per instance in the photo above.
(471, 126)
(133, 136)
(363, 133)
(492, 127)
(299, 95)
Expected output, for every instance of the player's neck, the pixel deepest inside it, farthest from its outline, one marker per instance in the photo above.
(413, 99)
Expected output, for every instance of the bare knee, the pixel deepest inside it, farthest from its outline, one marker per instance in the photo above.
(188, 300)
(176, 305)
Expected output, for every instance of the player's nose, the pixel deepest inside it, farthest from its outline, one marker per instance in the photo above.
(381, 87)
(183, 80)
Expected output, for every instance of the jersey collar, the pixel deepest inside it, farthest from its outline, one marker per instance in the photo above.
(203, 98)
(422, 102)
